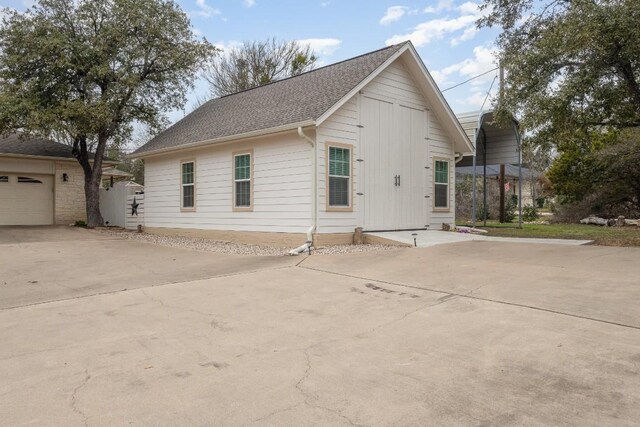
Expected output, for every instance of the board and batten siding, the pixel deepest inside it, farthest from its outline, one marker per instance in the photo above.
(396, 85)
(281, 187)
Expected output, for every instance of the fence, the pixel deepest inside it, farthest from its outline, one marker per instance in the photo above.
(134, 212)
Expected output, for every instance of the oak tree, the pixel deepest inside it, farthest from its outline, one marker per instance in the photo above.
(86, 71)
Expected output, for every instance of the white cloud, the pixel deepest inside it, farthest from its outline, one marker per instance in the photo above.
(439, 7)
(227, 46)
(469, 8)
(205, 10)
(325, 3)
(477, 98)
(393, 14)
(436, 29)
(324, 47)
(468, 34)
(249, 3)
(483, 60)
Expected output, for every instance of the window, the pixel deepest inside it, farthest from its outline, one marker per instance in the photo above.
(188, 186)
(242, 181)
(339, 177)
(4, 178)
(28, 180)
(441, 184)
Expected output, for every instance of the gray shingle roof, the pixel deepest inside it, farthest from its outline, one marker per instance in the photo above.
(33, 146)
(288, 101)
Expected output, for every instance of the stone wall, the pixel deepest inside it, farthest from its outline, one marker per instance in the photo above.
(69, 196)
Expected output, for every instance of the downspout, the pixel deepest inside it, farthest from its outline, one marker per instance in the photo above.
(314, 195)
(458, 158)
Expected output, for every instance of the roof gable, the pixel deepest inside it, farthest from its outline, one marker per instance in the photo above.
(299, 99)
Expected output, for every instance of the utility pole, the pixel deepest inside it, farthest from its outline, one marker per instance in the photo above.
(501, 177)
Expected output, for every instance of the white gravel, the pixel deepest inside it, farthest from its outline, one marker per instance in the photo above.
(235, 248)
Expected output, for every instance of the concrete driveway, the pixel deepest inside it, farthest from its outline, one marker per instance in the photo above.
(477, 333)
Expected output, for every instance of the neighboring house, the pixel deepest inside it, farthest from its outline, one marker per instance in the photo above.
(368, 142)
(41, 183)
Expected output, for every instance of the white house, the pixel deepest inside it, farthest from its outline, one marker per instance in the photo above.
(368, 142)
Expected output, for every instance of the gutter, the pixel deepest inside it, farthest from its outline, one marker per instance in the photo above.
(229, 138)
(57, 159)
(314, 194)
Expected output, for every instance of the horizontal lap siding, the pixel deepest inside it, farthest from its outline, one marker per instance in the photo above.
(395, 84)
(281, 188)
(341, 127)
(440, 146)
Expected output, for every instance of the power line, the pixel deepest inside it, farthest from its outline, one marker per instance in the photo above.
(488, 92)
(467, 81)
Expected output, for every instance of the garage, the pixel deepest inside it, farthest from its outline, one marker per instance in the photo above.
(26, 199)
(41, 183)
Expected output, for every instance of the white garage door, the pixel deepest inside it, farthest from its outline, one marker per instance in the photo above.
(26, 199)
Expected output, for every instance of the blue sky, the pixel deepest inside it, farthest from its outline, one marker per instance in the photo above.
(443, 32)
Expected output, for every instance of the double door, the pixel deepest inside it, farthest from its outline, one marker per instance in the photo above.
(393, 174)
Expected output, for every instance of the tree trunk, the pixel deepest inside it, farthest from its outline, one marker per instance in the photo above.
(92, 199)
(92, 177)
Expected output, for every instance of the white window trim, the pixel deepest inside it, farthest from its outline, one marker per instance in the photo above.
(448, 162)
(339, 208)
(234, 180)
(183, 185)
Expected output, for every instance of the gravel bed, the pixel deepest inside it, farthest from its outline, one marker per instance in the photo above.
(231, 248)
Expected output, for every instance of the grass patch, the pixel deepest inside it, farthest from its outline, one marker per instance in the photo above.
(605, 236)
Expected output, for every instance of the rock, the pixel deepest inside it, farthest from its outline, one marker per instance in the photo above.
(594, 220)
(620, 221)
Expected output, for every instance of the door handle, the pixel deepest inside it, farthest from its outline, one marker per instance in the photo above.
(398, 180)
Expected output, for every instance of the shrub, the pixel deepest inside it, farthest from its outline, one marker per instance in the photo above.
(529, 213)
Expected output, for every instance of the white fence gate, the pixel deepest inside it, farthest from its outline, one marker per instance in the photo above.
(134, 211)
(114, 202)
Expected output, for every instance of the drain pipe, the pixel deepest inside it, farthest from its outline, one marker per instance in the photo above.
(458, 158)
(314, 195)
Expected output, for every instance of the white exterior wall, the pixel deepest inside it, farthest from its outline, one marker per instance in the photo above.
(397, 85)
(281, 187)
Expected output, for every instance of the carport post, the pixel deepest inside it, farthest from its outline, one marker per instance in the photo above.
(519, 176)
(474, 186)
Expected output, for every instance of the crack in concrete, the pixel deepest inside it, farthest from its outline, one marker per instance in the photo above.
(74, 398)
(309, 396)
(279, 411)
(513, 304)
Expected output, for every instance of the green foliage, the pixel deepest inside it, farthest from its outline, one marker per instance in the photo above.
(82, 224)
(529, 213)
(571, 65)
(604, 175)
(255, 64)
(573, 75)
(83, 71)
(510, 208)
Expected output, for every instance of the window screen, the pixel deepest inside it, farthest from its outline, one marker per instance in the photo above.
(242, 180)
(188, 185)
(441, 186)
(339, 176)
